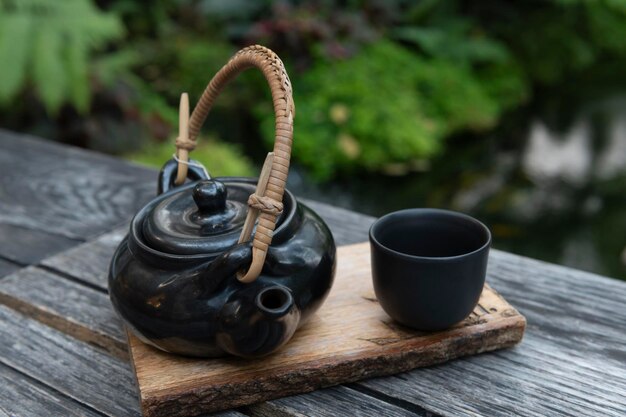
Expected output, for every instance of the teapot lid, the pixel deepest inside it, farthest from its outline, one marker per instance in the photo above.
(198, 219)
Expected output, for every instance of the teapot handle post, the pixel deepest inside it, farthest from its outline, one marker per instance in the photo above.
(253, 212)
(182, 152)
(268, 203)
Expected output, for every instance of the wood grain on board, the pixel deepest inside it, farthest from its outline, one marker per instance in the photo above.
(65, 305)
(344, 401)
(88, 262)
(350, 338)
(67, 191)
(27, 246)
(73, 368)
(7, 267)
(22, 396)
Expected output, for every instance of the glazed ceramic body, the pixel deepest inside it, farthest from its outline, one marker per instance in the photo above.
(193, 304)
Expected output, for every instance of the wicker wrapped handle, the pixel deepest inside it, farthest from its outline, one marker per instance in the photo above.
(274, 71)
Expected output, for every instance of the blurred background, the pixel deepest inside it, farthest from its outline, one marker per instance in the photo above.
(513, 112)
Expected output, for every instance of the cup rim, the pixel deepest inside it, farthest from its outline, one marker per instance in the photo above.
(422, 211)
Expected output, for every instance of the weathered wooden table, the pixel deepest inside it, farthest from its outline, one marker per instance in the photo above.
(63, 351)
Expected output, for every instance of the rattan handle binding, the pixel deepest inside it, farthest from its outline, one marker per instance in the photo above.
(276, 75)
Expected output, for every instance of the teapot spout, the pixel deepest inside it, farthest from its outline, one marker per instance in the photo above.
(274, 302)
(253, 327)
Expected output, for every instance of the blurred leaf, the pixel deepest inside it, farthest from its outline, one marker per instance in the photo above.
(453, 42)
(422, 9)
(77, 72)
(607, 25)
(427, 38)
(48, 72)
(220, 159)
(15, 36)
(398, 107)
(230, 9)
(50, 45)
(111, 67)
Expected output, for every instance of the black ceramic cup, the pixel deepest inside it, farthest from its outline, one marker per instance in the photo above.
(428, 266)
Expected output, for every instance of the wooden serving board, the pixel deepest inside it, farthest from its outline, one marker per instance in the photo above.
(350, 338)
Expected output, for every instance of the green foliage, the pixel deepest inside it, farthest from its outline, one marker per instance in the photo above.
(221, 159)
(47, 44)
(552, 40)
(387, 108)
(185, 64)
(379, 86)
(453, 41)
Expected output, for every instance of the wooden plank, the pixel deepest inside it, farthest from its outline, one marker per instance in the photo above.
(7, 267)
(21, 396)
(75, 369)
(348, 227)
(572, 361)
(329, 350)
(563, 292)
(74, 309)
(535, 379)
(67, 191)
(89, 262)
(68, 366)
(338, 401)
(517, 284)
(26, 246)
(534, 301)
(41, 155)
(538, 302)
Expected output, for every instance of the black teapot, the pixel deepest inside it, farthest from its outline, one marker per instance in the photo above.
(188, 280)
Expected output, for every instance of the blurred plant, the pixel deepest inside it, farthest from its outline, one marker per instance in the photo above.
(307, 31)
(176, 50)
(459, 41)
(379, 85)
(220, 159)
(388, 109)
(555, 38)
(49, 46)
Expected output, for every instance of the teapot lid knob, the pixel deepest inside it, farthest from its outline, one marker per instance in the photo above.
(210, 196)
